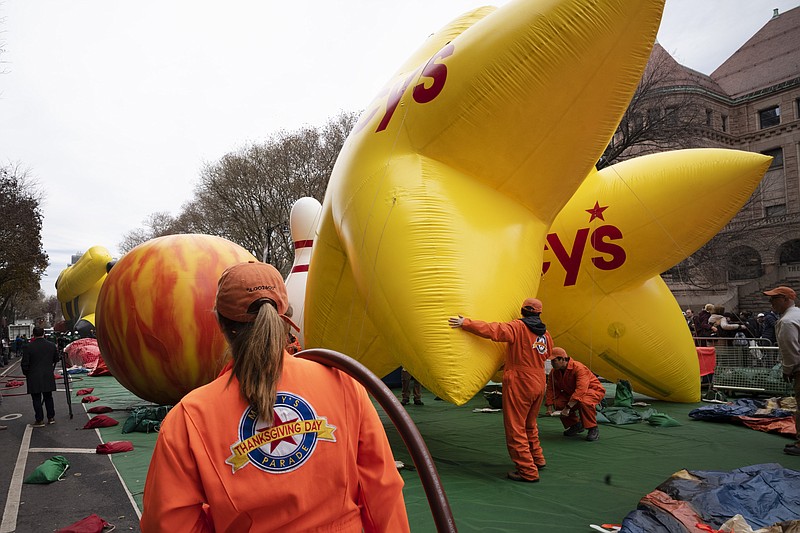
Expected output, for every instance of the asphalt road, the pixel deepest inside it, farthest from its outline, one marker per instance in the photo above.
(91, 485)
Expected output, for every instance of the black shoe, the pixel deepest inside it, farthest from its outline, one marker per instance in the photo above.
(594, 434)
(51, 420)
(403, 402)
(540, 466)
(792, 450)
(38, 424)
(573, 430)
(514, 475)
(418, 402)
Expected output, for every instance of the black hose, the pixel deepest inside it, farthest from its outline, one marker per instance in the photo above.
(437, 499)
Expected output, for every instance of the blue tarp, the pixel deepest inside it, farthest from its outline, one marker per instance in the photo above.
(763, 494)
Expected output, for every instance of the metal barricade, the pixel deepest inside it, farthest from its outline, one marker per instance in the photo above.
(748, 366)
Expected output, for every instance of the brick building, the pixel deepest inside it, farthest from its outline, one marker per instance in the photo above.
(751, 102)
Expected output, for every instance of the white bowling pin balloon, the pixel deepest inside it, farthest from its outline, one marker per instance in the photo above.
(303, 221)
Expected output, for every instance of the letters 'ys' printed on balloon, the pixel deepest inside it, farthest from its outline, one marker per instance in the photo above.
(443, 196)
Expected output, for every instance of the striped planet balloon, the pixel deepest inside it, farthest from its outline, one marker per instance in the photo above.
(156, 326)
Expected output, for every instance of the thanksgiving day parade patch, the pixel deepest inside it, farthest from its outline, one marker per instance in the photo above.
(284, 445)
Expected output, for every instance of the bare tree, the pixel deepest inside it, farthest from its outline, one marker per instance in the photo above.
(663, 114)
(246, 196)
(155, 225)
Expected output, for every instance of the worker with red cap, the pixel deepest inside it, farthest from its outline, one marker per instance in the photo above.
(529, 345)
(575, 391)
(275, 443)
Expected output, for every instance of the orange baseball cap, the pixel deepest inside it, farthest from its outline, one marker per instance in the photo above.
(782, 291)
(533, 303)
(558, 352)
(240, 286)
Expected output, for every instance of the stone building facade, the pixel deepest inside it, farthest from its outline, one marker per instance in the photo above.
(751, 102)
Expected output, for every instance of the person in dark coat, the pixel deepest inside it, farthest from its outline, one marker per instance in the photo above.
(39, 359)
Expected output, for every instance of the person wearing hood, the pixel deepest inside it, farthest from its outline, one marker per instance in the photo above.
(529, 346)
(575, 391)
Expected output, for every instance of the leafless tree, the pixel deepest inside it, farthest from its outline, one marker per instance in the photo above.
(246, 196)
(662, 115)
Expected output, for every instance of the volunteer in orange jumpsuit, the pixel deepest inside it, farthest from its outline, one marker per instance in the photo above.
(529, 345)
(275, 443)
(575, 391)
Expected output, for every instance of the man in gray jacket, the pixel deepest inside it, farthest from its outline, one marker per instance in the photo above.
(39, 359)
(787, 332)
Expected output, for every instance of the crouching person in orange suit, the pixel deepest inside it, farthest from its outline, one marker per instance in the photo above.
(575, 391)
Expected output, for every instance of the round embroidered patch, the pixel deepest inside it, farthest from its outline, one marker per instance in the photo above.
(285, 444)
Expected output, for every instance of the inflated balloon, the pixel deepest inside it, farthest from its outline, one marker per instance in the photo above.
(303, 221)
(78, 286)
(156, 325)
(443, 194)
(604, 300)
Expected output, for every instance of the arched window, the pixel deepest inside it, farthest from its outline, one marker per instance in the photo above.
(744, 263)
(789, 252)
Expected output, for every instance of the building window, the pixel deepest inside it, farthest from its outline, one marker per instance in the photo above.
(777, 158)
(769, 117)
(671, 116)
(709, 117)
(797, 109)
(725, 123)
(744, 263)
(789, 252)
(775, 210)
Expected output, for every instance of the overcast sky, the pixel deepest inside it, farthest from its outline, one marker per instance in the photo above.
(114, 106)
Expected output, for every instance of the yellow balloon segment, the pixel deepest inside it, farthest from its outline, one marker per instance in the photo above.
(78, 285)
(442, 200)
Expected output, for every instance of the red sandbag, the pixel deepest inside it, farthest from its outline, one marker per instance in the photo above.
(84, 391)
(100, 421)
(115, 446)
(89, 399)
(90, 524)
(99, 409)
(101, 369)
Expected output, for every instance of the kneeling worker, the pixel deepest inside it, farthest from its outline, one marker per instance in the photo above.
(574, 390)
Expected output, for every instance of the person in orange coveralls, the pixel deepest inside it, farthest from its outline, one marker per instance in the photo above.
(529, 345)
(574, 390)
(275, 443)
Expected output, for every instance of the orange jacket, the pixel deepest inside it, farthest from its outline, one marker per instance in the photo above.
(526, 351)
(324, 465)
(575, 382)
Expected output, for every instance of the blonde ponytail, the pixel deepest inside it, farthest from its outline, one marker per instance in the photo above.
(257, 349)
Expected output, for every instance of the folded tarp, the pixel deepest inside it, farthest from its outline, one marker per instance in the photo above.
(763, 494)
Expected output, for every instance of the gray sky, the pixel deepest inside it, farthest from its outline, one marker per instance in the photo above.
(114, 106)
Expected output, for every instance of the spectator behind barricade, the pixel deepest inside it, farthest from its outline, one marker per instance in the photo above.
(691, 321)
(703, 327)
(787, 330)
(274, 443)
(39, 359)
(753, 329)
(768, 327)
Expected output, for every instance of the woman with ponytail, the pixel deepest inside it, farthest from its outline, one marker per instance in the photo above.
(275, 443)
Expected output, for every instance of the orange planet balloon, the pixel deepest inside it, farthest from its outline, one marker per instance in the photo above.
(156, 326)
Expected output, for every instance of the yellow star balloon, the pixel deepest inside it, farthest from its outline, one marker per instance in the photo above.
(444, 193)
(604, 301)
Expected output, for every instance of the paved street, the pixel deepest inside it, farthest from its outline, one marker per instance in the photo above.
(91, 485)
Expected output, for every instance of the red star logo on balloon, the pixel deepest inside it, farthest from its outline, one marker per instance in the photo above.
(277, 422)
(596, 212)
